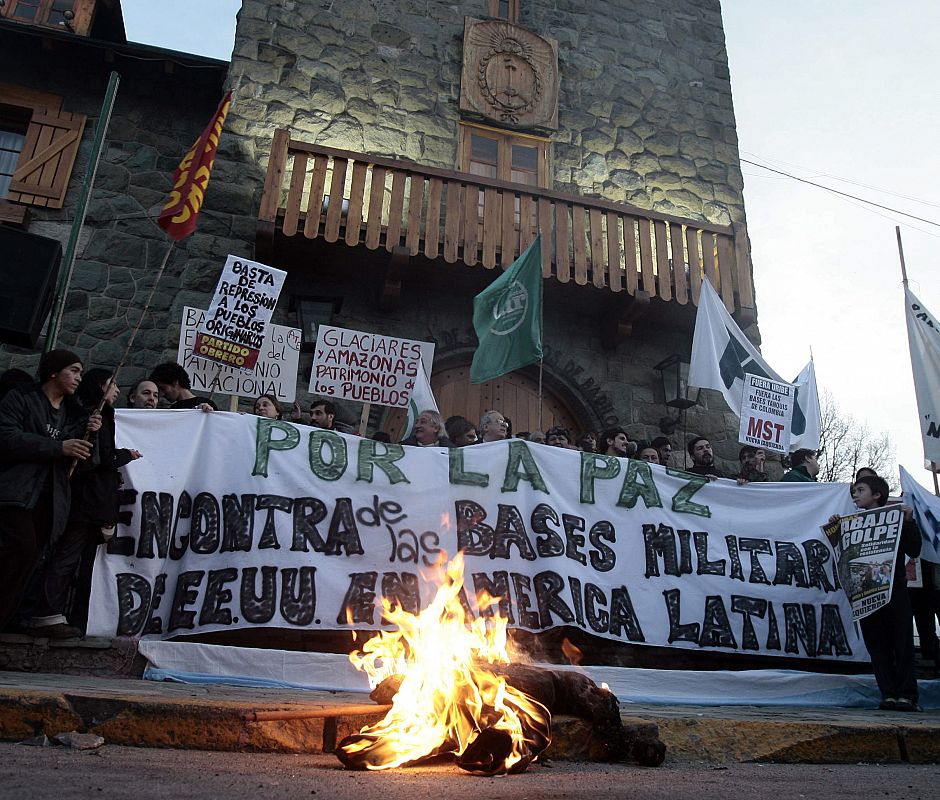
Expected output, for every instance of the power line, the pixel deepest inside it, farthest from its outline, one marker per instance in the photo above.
(907, 225)
(820, 173)
(836, 191)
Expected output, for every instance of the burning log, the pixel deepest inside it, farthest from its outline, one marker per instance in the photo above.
(567, 692)
(363, 750)
(485, 754)
(574, 693)
(385, 692)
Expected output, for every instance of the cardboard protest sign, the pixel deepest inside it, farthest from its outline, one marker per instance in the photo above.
(234, 521)
(368, 367)
(275, 371)
(866, 546)
(233, 330)
(766, 413)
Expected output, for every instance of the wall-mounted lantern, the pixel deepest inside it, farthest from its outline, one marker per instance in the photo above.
(312, 312)
(674, 375)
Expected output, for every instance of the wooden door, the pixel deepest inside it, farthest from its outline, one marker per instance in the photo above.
(515, 395)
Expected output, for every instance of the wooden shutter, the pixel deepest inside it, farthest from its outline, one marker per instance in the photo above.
(45, 164)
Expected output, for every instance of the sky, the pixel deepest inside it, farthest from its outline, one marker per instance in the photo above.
(841, 93)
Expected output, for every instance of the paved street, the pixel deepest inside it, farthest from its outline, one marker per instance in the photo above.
(121, 772)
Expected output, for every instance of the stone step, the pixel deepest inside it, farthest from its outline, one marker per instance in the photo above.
(217, 717)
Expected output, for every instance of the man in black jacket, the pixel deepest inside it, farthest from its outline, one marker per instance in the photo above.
(173, 384)
(40, 430)
(703, 459)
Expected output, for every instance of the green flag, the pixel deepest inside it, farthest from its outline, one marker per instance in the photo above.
(507, 316)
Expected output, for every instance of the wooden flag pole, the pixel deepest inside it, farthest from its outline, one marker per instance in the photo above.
(215, 381)
(87, 436)
(540, 394)
(153, 289)
(130, 343)
(364, 418)
(897, 232)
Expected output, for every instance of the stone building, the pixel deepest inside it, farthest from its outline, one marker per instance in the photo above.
(53, 81)
(452, 132)
(393, 155)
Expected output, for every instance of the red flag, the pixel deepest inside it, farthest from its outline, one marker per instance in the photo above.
(178, 217)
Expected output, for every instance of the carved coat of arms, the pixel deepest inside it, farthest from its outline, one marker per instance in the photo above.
(510, 75)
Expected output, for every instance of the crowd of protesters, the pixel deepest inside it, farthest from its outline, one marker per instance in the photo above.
(60, 479)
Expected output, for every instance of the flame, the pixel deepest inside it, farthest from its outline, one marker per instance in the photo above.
(571, 651)
(447, 697)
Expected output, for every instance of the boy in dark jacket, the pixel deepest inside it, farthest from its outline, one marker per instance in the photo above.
(40, 426)
(889, 631)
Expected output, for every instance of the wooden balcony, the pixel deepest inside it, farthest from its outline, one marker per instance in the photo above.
(361, 199)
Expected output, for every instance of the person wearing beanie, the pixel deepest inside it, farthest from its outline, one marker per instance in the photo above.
(41, 430)
(93, 515)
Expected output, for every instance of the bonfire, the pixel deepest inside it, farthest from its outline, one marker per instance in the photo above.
(454, 691)
(441, 668)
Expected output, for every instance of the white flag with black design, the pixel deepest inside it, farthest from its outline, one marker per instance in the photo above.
(923, 336)
(807, 399)
(722, 355)
(927, 513)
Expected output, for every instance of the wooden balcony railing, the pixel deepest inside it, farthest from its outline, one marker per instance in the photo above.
(385, 203)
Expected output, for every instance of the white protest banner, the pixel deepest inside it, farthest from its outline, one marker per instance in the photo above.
(235, 521)
(866, 545)
(233, 331)
(766, 413)
(275, 371)
(368, 367)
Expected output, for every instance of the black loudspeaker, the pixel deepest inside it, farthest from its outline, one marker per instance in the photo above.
(29, 269)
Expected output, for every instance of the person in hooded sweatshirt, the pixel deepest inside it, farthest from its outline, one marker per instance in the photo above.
(41, 430)
(92, 516)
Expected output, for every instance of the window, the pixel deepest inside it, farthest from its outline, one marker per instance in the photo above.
(41, 12)
(504, 9)
(13, 125)
(38, 145)
(512, 157)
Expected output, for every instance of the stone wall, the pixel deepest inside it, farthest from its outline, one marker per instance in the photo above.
(157, 115)
(645, 112)
(645, 118)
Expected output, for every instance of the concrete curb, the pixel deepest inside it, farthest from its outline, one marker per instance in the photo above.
(796, 735)
(217, 717)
